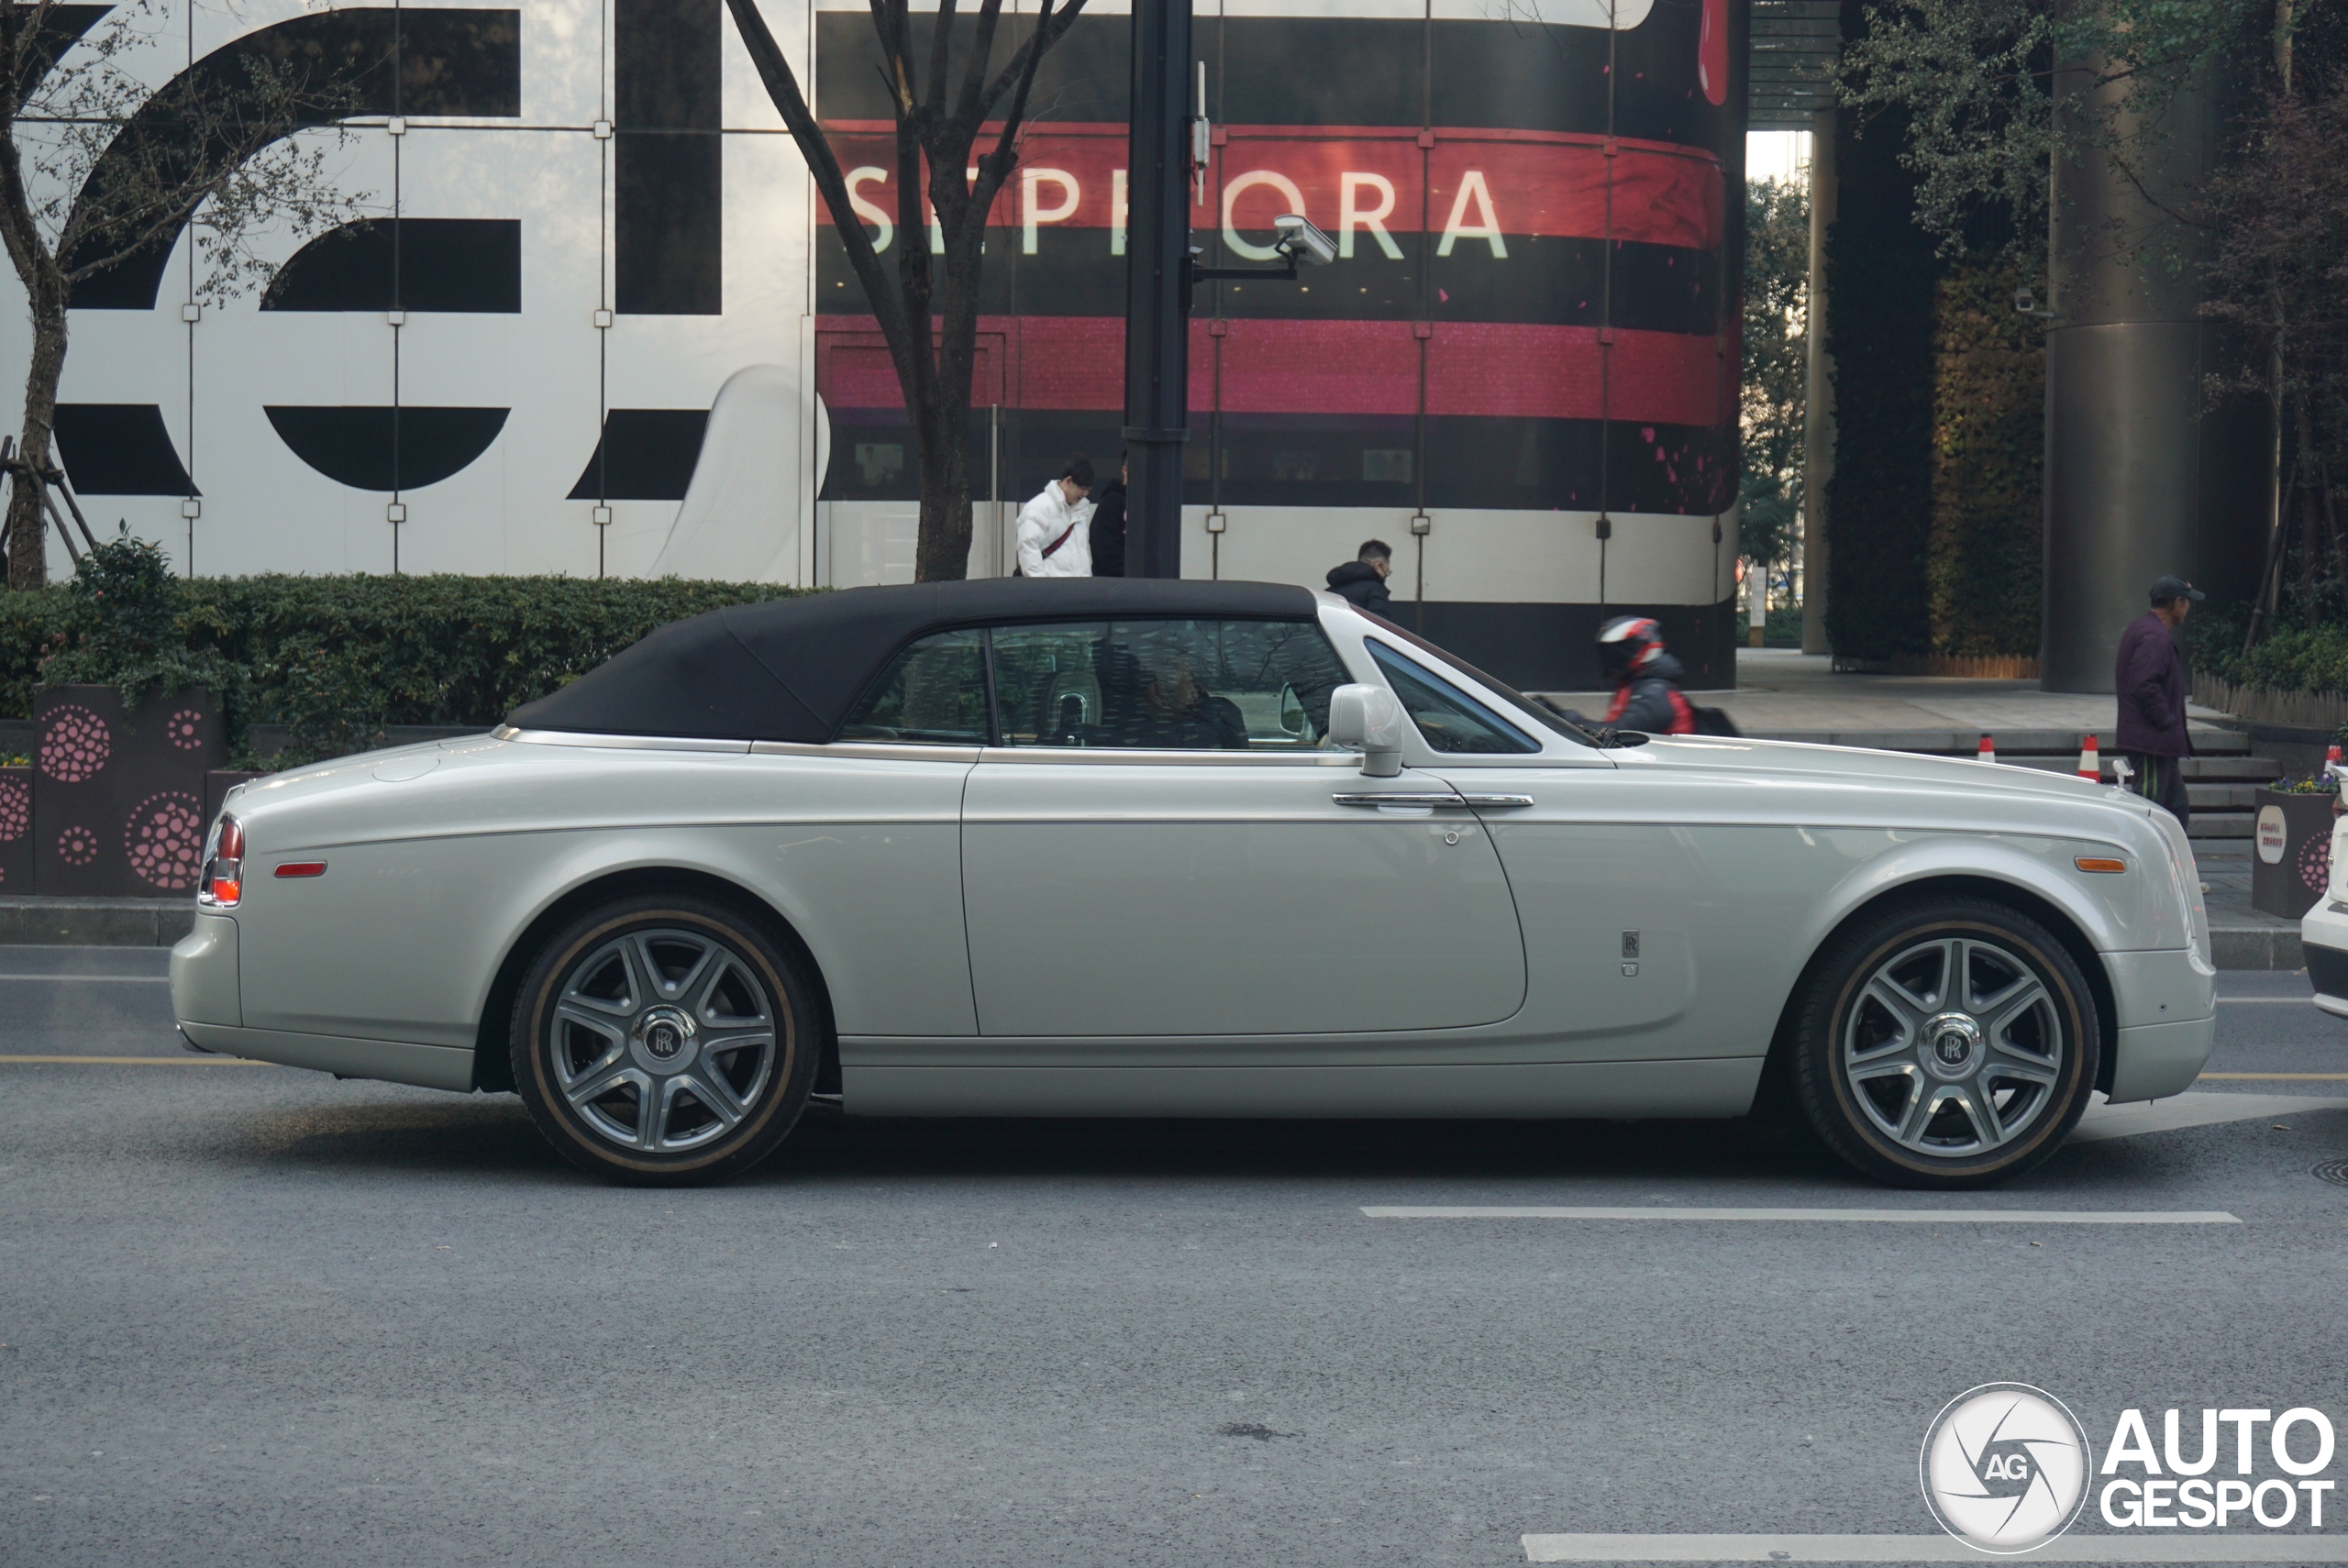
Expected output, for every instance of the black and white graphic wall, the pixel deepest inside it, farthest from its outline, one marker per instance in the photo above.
(592, 322)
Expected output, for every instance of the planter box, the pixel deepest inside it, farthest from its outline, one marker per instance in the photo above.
(118, 799)
(2292, 853)
(16, 832)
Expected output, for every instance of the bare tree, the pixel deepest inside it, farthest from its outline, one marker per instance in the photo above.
(97, 167)
(939, 130)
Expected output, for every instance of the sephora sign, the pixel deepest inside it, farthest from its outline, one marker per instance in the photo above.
(594, 321)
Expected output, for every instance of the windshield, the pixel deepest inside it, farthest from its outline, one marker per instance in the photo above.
(1540, 714)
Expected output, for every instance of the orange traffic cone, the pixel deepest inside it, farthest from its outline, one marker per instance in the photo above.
(1987, 753)
(2090, 761)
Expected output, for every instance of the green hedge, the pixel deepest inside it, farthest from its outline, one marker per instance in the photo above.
(2288, 658)
(338, 657)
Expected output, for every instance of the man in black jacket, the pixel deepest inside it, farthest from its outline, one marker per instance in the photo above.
(1363, 578)
(2150, 678)
(1109, 524)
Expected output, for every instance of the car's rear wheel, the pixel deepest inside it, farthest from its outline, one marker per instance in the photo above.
(1950, 1043)
(664, 1041)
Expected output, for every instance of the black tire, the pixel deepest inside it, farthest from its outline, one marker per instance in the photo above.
(1907, 1113)
(665, 996)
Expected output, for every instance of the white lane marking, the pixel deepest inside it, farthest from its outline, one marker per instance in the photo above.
(1869, 1216)
(2263, 1547)
(2274, 1078)
(119, 979)
(2104, 1121)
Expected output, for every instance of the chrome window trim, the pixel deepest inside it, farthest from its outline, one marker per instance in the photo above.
(876, 751)
(1136, 756)
(619, 743)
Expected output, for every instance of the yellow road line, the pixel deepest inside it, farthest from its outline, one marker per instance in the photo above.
(2280, 1077)
(190, 1060)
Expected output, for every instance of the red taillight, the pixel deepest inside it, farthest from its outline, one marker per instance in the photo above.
(302, 868)
(224, 865)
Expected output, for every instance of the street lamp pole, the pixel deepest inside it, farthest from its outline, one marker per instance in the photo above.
(1158, 243)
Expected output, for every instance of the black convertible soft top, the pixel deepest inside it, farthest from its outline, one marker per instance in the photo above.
(789, 668)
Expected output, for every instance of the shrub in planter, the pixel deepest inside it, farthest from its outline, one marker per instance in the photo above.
(127, 723)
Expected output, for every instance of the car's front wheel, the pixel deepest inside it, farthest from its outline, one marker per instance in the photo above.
(1949, 1043)
(664, 1040)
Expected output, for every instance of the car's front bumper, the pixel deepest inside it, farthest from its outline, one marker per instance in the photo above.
(2166, 1006)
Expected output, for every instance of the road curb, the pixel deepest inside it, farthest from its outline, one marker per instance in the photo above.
(95, 923)
(2256, 947)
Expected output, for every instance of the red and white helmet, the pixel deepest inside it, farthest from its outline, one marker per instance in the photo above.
(1627, 641)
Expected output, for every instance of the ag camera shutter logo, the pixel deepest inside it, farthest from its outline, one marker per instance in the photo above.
(2005, 1467)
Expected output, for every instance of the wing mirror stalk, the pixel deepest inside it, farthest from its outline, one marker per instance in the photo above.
(1368, 720)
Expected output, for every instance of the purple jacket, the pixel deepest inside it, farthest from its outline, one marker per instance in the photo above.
(2151, 681)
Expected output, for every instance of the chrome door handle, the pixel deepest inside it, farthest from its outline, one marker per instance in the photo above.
(1497, 799)
(1401, 798)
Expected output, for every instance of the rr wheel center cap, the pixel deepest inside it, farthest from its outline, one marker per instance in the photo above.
(663, 1040)
(1952, 1045)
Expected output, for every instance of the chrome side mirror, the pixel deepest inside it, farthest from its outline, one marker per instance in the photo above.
(1367, 719)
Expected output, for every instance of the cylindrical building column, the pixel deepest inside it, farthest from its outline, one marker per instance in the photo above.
(2143, 475)
(1818, 394)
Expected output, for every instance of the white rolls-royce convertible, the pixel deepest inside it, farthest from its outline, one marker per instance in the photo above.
(1071, 847)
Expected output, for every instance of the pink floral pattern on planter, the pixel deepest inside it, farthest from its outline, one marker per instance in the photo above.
(77, 846)
(2315, 862)
(182, 729)
(15, 810)
(162, 839)
(76, 744)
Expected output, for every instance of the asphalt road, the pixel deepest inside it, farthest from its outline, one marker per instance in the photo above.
(252, 1315)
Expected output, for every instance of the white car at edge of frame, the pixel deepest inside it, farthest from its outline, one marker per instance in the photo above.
(1119, 848)
(2323, 930)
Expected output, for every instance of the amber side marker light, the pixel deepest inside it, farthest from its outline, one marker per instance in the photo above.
(302, 868)
(2085, 863)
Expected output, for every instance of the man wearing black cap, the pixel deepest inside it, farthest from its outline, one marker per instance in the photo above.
(2151, 682)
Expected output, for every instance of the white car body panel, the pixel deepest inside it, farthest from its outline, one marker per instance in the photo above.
(1202, 933)
(2323, 933)
(1109, 898)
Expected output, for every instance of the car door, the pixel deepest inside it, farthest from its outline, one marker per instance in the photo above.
(1159, 846)
(1615, 886)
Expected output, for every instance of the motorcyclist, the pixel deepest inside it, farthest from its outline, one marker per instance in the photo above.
(1647, 680)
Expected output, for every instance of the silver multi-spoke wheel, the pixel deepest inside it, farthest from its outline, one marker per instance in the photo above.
(665, 1039)
(1955, 1047)
(662, 1039)
(1944, 1041)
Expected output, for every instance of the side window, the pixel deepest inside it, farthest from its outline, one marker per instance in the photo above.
(1450, 719)
(934, 693)
(1166, 685)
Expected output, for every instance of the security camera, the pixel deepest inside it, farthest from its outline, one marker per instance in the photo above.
(1300, 242)
(2024, 300)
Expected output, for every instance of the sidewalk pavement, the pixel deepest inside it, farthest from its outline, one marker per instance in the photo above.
(1783, 695)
